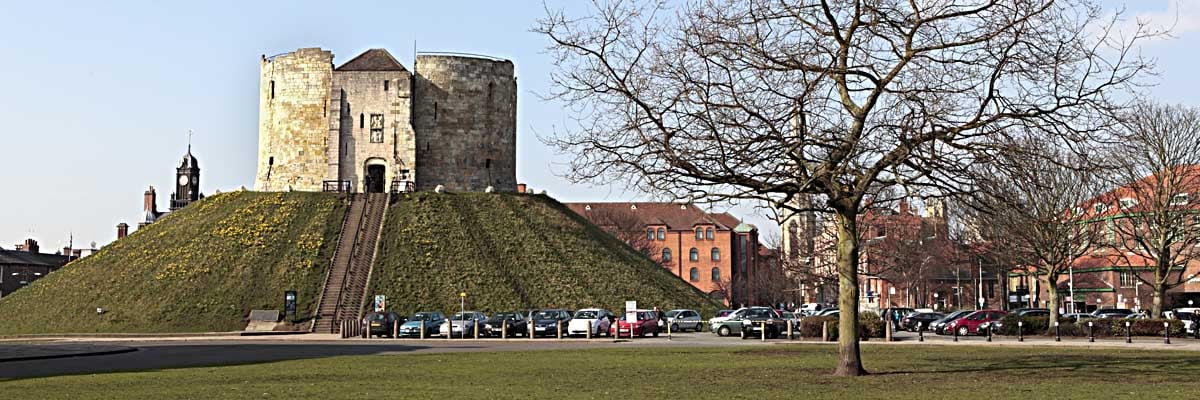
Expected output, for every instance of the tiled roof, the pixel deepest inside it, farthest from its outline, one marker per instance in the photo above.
(27, 258)
(675, 216)
(372, 60)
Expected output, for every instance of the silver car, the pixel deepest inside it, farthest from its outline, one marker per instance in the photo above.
(684, 320)
(463, 324)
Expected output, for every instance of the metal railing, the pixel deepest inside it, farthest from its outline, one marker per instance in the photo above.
(337, 186)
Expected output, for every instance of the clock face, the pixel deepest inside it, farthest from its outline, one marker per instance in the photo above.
(183, 180)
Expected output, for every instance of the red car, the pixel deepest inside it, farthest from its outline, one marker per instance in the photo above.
(647, 322)
(969, 325)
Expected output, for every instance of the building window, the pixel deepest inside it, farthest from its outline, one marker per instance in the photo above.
(709, 234)
(362, 120)
(649, 234)
(694, 274)
(435, 111)
(662, 234)
(1128, 202)
(385, 85)
(1128, 280)
(699, 233)
(1180, 199)
(716, 274)
(716, 254)
(376, 128)
(694, 254)
(1099, 208)
(272, 90)
(666, 255)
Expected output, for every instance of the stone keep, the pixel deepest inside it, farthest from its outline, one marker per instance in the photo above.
(371, 122)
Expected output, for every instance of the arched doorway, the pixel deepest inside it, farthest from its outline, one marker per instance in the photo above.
(376, 180)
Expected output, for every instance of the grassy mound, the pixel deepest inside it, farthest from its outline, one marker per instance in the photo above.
(201, 268)
(510, 251)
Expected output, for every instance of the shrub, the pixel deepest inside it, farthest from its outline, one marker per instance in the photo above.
(869, 326)
(1147, 327)
(1029, 325)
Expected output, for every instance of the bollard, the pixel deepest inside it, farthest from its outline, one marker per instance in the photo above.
(955, 329)
(1091, 333)
(1057, 333)
(449, 330)
(558, 329)
(504, 329)
(1128, 335)
(589, 329)
(989, 332)
(342, 329)
(529, 330)
(422, 329)
(669, 331)
(789, 328)
(396, 329)
(1166, 333)
(920, 332)
(763, 333)
(824, 331)
(476, 324)
(1020, 331)
(887, 331)
(363, 330)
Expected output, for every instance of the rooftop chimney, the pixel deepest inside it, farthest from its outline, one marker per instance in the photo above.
(122, 230)
(149, 203)
(31, 246)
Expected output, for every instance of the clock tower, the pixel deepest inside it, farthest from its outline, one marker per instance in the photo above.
(187, 182)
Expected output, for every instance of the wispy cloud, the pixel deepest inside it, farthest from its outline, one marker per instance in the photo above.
(1180, 18)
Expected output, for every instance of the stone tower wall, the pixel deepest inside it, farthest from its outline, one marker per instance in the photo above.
(465, 114)
(362, 94)
(294, 91)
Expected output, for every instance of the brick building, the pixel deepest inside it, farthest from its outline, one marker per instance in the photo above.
(716, 253)
(26, 264)
(1108, 275)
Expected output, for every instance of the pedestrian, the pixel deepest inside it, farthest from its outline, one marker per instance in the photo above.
(1196, 323)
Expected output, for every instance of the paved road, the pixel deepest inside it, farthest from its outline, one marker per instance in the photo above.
(208, 351)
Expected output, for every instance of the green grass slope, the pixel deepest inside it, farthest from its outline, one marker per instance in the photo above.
(510, 251)
(201, 268)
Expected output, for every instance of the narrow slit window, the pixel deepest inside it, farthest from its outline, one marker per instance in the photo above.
(272, 90)
(362, 121)
(385, 85)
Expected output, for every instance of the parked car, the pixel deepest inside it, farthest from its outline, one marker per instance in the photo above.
(382, 323)
(511, 323)
(681, 320)
(794, 318)
(762, 322)
(546, 322)
(721, 316)
(1185, 315)
(811, 308)
(1077, 316)
(894, 315)
(827, 312)
(939, 326)
(1021, 312)
(1111, 313)
(734, 324)
(462, 324)
(909, 322)
(969, 325)
(594, 319)
(647, 322)
(433, 321)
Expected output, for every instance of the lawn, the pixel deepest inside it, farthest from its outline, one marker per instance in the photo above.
(794, 371)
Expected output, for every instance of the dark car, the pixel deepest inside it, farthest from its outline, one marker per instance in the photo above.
(547, 322)
(511, 323)
(755, 319)
(939, 326)
(382, 323)
(909, 322)
(1111, 313)
(998, 325)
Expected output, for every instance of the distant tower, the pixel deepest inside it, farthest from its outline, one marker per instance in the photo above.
(187, 181)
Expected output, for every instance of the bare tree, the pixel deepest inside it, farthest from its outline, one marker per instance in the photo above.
(1036, 207)
(1156, 183)
(766, 100)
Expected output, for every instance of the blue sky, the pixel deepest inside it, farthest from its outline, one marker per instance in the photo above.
(99, 97)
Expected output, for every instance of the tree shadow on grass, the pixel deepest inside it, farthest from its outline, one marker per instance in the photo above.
(1099, 364)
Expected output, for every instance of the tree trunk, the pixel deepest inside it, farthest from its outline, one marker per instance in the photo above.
(1156, 305)
(1052, 301)
(849, 358)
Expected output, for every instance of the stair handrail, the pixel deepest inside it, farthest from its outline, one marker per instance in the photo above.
(329, 270)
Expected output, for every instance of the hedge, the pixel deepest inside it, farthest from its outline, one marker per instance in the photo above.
(869, 326)
(1100, 327)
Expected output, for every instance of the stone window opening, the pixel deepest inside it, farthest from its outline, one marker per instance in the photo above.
(385, 85)
(362, 121)
(435, 107)
(272, 90)
(376, 128)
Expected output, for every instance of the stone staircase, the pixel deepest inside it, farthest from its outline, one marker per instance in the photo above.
(350, 270)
